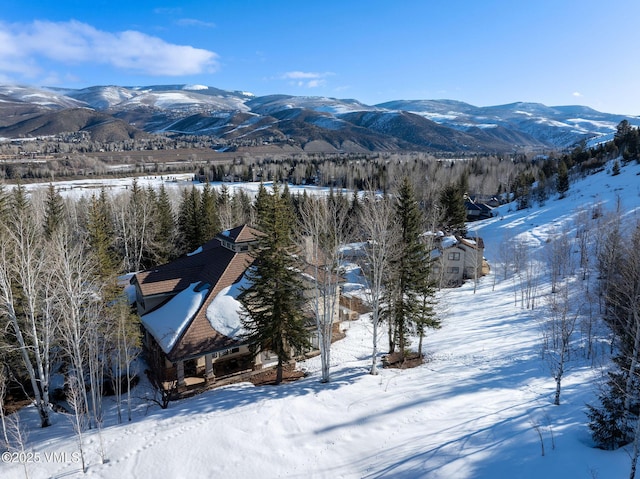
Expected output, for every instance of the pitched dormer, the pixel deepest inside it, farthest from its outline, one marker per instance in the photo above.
(240, 239)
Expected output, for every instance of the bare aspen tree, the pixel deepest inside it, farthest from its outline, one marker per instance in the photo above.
(3, 391)
(584, 232)
(323, 225)
(558, 333)
(379, 231)
(225, 208)
(73, 277)
(529, 278)
(608, 247)
(506, 256)
(520, 259)
(134, 214)
(558, 255)
(75, 400)
(22, 294)
(19, 436)
(126, 346)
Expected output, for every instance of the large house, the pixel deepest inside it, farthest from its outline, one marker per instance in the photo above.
(454, 259)
(190, 313)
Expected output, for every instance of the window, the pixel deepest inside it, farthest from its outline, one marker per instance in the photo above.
(454, 256)
(226, 352)
(453, 270)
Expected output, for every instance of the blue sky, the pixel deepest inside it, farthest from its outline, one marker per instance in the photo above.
(489, 52)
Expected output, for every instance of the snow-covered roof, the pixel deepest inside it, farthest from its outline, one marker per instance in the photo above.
(223, 313)
(449, 241)
(167, 323)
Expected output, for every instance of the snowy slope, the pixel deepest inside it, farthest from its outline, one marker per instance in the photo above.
(481, 407)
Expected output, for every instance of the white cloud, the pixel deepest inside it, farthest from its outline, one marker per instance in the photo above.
(307, 79)
(167, 11)
(22, 46)
(194, 22)
(577, 94)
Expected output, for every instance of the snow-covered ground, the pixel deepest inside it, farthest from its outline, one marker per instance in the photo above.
(481, 407)
(78, 188)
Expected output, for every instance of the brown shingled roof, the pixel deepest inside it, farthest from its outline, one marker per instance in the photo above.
(213, 264)
(199, 337)
(240, 234)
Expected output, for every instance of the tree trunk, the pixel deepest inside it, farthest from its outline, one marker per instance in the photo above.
(279, 372)
(374, 352)
(636, 451)
(556, 399)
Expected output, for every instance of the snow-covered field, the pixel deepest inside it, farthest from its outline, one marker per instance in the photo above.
(481, 407)
(78, 188)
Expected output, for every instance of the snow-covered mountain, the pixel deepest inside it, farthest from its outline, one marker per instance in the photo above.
(341, 124)
(561, 126)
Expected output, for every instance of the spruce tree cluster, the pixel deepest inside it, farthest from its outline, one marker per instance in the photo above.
(409, 291)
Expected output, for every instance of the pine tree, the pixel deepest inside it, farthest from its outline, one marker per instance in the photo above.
(273, 303)
(562, 180)
(454, 213)
(262, 206)
(409, 289)
(100, 235)
(165, 228)
(606, 421)
(53, 213)
(616, 168)
(188, 220)
(210, 222)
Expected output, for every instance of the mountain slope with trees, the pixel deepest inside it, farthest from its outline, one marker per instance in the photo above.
(236, 119)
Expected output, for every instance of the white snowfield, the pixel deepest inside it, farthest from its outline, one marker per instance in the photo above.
(480, 407)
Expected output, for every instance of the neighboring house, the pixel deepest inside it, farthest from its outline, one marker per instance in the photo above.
(190, 312)
(477, 210)
(455, 259)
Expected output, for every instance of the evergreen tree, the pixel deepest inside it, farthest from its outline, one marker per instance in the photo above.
(19, 201)
(616, 168)
(165, 228)
(100, 235)
(607, 421)
(454, 213)
(426, 317)
(209, 220)
(53, 212)
(188, 220)
(562, 180)
(409, 289)
(242, 207)
(262, 206)
(274, 302)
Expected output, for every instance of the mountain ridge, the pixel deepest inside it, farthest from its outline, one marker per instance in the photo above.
(345, 124)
